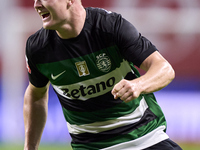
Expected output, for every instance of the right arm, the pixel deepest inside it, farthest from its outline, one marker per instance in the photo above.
(35, 115)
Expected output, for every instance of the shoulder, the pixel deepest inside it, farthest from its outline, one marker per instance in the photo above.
(38, 40)
(99, 11)
(102, 18)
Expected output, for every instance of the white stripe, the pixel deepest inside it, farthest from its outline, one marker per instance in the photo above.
(118, 74)
(143, 142)
(97, 127)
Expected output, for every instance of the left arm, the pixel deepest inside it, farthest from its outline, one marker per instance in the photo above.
(159, 73)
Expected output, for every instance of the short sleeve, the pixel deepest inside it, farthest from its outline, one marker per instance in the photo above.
(134, 47)
(35, 76)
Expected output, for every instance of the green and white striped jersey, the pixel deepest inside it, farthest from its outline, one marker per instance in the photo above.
(83, 71)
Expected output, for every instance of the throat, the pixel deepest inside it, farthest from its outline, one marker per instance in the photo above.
(74, 28)
(67, 34)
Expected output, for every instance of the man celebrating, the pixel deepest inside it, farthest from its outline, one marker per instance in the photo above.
(89, 56)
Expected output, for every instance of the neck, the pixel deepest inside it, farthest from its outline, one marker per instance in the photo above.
(75, 24)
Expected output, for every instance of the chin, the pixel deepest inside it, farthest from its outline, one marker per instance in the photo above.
(49, 27)
(46, 26)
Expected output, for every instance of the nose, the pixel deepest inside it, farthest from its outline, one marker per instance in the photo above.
(37, 4)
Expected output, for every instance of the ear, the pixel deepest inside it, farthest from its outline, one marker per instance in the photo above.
(70, 2)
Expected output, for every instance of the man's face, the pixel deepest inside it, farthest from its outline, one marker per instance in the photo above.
(52, 12)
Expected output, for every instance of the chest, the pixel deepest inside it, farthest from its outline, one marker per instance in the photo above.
(73, 64)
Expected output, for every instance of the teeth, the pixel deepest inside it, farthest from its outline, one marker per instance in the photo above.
(44, 13)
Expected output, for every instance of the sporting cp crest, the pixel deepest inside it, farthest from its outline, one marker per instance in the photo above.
(103, 62)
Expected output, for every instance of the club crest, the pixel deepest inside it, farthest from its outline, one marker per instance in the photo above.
(103, 62)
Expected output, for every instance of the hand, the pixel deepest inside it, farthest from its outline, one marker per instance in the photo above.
(126, 90)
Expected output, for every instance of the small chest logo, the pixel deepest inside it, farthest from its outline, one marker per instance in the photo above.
(103, 62)
(82, 68)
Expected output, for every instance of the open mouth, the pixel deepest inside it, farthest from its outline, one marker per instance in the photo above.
(45, 15)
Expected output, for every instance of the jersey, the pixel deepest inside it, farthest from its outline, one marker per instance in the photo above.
(83, 70)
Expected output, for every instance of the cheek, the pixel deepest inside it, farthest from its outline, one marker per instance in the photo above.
(57, 10)
(58, 16)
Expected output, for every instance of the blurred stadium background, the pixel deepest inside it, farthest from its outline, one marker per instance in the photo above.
(172, 25)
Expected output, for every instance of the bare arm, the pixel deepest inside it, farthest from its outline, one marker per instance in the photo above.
(159, 73)
(35, 115)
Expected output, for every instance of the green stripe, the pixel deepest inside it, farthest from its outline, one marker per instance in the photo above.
(117, 111)
(94, 87)
(134, 69)
(121, 138)
(71, 76)
(155, 108)
(159, 121)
